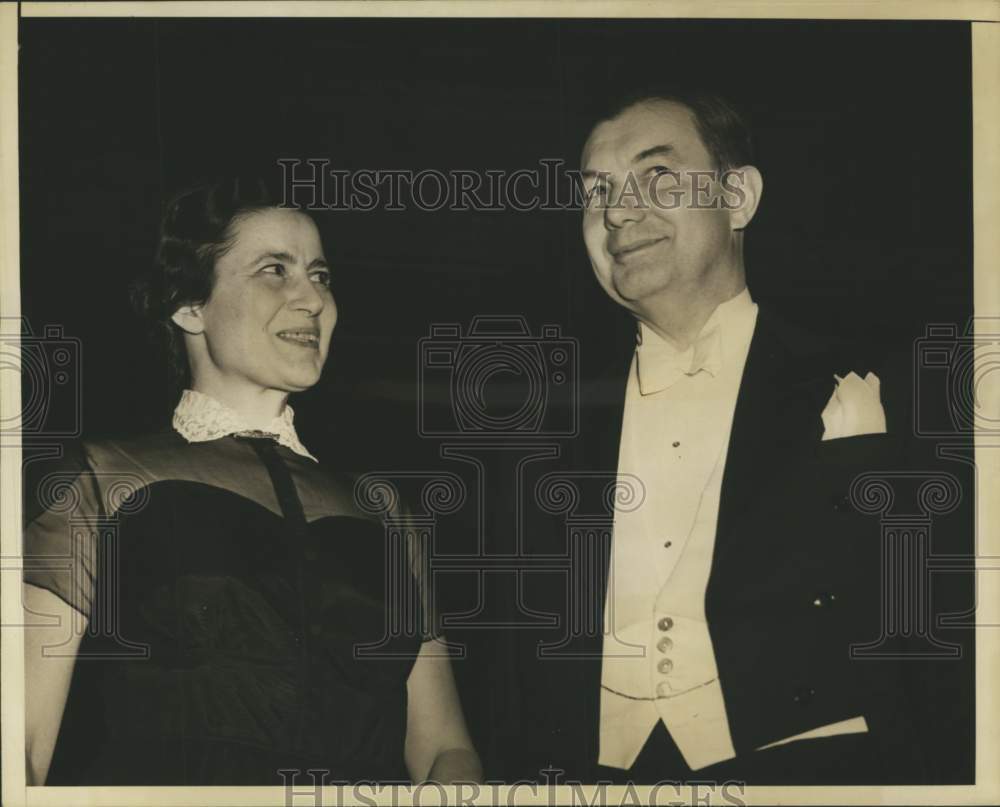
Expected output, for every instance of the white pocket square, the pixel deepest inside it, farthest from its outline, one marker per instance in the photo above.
(854, 408)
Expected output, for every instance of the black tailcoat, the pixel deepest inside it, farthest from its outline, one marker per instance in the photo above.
(798, 574)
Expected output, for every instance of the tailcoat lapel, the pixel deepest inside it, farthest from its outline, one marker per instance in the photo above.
(604, 403)
(595, 451)
(784, 387)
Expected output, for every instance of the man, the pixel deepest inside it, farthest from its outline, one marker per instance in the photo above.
(740, 574)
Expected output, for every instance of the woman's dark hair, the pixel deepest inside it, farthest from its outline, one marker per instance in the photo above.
(722, 126)
(195, 231)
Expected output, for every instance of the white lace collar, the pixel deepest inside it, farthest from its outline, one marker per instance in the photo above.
(199, 417)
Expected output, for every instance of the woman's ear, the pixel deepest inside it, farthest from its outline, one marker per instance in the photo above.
(188, 318)
(742, 187)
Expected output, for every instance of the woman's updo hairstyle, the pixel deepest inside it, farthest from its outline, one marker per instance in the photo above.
(195, 231)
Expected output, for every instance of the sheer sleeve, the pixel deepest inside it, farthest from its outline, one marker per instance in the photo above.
(410, 547)
(62, 510)
(418, 547)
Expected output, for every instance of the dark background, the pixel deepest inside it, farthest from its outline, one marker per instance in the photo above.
(865, 228)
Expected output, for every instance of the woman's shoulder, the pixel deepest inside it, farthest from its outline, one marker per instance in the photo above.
(99, 455)
(83, 472)
(135, 450)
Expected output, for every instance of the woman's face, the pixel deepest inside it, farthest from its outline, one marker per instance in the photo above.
(268, 320)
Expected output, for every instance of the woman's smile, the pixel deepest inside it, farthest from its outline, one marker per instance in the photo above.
(302, 337)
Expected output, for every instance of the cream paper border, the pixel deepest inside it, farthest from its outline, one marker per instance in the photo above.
(986, 260)
(11, 644)
(985, 10)
(986, 155)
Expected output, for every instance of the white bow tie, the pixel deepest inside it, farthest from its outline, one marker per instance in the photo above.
(661, 365)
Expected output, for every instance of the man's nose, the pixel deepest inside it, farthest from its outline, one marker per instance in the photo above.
(623, 208)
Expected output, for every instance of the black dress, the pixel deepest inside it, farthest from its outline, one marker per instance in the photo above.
(245, 615)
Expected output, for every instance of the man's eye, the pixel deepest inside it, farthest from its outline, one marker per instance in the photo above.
(322, 277)
(660, 170)
(274, 269)
(597, 192)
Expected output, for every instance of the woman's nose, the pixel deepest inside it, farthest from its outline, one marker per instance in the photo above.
(306, 296)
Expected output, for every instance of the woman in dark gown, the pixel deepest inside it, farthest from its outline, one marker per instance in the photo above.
(227, 614)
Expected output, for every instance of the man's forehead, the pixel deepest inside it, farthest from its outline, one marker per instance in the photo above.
(641, 126)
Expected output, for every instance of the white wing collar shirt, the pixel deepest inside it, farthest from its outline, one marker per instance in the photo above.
(658, 661)
(199, 417)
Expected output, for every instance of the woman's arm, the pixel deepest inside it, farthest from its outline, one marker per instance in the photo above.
(46, 678)
(438, 747)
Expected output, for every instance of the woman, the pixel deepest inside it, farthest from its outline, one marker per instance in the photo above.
(212, 581)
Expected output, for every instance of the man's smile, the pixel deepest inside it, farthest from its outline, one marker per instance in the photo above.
(622, 252)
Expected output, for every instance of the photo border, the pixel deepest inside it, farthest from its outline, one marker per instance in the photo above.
(984, 15)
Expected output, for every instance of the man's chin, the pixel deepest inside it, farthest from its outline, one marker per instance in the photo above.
(634, 283)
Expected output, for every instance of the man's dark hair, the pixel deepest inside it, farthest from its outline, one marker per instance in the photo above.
(722, 127)
(195, 231)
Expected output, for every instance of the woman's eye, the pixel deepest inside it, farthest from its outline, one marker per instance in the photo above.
(660, 170)
(274, 269)
(322, 277)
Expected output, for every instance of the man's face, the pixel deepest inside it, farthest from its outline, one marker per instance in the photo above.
(643, 232)
(268, 320)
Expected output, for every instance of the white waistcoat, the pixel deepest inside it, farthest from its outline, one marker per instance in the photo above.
(658, 662)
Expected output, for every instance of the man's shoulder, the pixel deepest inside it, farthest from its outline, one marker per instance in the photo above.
(841, 352)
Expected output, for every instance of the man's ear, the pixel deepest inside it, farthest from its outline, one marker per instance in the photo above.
(188, 318)
(742, 188)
